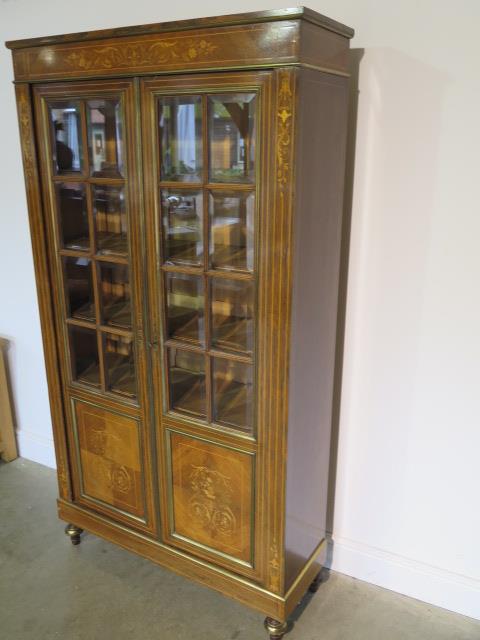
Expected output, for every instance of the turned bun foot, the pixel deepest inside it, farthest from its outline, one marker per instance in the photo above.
(313, 588)
(73, 532)
(275, 628)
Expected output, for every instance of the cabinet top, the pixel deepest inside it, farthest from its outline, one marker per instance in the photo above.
(272, 15)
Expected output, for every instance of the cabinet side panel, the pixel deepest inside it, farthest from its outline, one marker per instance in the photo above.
(44, 288)
(322, 122)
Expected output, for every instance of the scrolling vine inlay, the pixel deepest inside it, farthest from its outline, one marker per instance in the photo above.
(141, 54)
(284, 117)
(25, 127)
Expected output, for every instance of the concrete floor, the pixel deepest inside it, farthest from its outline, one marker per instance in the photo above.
(96, 591)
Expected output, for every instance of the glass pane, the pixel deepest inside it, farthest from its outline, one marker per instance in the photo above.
(79, 288)
(187, 381)
(72, 215)
(67, 137)
(232, 315)
(84, 355)
(180, 123)
(115, 295)
(110, 219)
(233, 393)
(231, 230)
(231, 122)
(119, 365)
(185, 318)
(182, 226)
(105, 137)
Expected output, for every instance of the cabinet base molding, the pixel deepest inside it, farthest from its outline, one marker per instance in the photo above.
(253, 595)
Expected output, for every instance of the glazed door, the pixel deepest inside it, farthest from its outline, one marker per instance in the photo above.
(88, 142)
(204, 170)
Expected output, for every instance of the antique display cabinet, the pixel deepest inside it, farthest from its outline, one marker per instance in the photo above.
(184, 185)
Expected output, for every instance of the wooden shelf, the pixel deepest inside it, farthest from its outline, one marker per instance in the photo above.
(192, 400)
(90, 375)
(232, 335)
(233, 404)
(118, 314)
(228, 257)
(79, 244)
(121, 376)
(86, 312)
(191, 330)
(112, 243)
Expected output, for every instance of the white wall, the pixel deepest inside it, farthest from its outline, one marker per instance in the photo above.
(407, 504)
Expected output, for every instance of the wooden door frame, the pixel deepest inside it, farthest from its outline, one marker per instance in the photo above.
(71, 391)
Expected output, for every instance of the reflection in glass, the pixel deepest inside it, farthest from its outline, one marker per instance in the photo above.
(79, 288)
(187, 382)
(66, 136)
(232, 315)
(185, 319)
(231, 133)
(115, 295)
(231, 230)
(105, 137)
(180, 132)
(110, 219)
(119, 364)
(233, 394)
(84, 355)
(182, 226)
(72, 215)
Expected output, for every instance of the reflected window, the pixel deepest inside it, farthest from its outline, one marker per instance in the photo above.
(66, 136)
(231, 134)
(119, 365)
(110, 219)
(232, 315)
(79, 288)
(185, 300)
(105, 137)
(231, 230)
(182, 213)
(84, 355)
(187, 382)
(114, 289)
(180, 125)
(72, 215)
(233, 394)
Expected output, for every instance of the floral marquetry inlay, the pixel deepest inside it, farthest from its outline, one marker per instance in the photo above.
(110, 461)
(24, 117)
(284, 123)
(212, 496)
(141, 54)
(120, 479)
(211, 500)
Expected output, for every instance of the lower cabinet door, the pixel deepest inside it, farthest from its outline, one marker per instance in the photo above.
(210, 496)
(111, 470)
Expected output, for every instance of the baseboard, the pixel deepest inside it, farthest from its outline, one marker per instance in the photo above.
(37, 448)
(421, 581)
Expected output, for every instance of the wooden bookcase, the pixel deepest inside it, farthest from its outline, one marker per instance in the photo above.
(184, 186)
